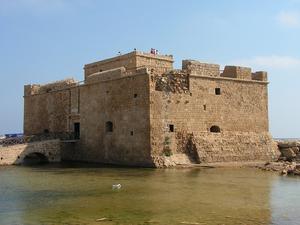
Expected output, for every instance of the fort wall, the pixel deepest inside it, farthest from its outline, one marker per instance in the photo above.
(47, 107)
(115, 126)
(182, 117)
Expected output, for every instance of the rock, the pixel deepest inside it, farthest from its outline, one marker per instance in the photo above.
(296, 172)
(287, 144)
(288, 153)
(284, 172)
(295, 150)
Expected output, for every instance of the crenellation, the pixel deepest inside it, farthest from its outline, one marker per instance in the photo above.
(34, 89)
(260, 76)
(237, 72)
(197, 68)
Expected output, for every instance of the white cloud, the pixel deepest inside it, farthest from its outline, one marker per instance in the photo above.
(289, 19)
(271, 62)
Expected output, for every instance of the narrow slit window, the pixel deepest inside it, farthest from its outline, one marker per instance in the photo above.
(171, 128)
(204, 107)
(77, 131)
(131, 133)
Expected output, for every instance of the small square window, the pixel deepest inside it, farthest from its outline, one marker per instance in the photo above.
(135, 95)
(218, 91)
(171, 128)
(131, 133)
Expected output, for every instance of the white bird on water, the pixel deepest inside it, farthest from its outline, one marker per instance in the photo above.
(116, 186)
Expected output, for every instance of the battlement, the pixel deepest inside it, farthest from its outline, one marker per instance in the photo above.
(260, 76)
(33, 89)
(196, 68)
(243, 73)
(131, 62)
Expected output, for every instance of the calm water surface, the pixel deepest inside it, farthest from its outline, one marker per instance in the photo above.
(72, 194)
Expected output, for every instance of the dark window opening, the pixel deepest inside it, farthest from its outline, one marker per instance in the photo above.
(135, 95)
(77, 130)
(131, 133)
(218, 91)
(204, 107)
(171, 128)
(215, 129)
(46, 131)
(1, 158)
(109, 126)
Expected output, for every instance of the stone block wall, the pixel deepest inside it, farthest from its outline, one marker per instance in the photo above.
(47, 107)
(123, 102)
(237, 107)
(236, 147)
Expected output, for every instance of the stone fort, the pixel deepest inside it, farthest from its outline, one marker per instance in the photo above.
(135, 109)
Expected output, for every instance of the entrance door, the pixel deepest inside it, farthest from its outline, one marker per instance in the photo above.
(76, 130)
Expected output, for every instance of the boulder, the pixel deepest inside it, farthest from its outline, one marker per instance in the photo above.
(287, 144)
(288, 153)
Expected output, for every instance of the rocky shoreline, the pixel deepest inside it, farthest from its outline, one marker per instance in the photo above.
(288, 162)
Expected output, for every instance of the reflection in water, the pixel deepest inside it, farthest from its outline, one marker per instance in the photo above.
(81, 195)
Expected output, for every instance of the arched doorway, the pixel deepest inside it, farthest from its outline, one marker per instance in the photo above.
(35, 158)
(215, 129)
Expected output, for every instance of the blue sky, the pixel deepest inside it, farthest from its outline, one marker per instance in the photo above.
(47, 40)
